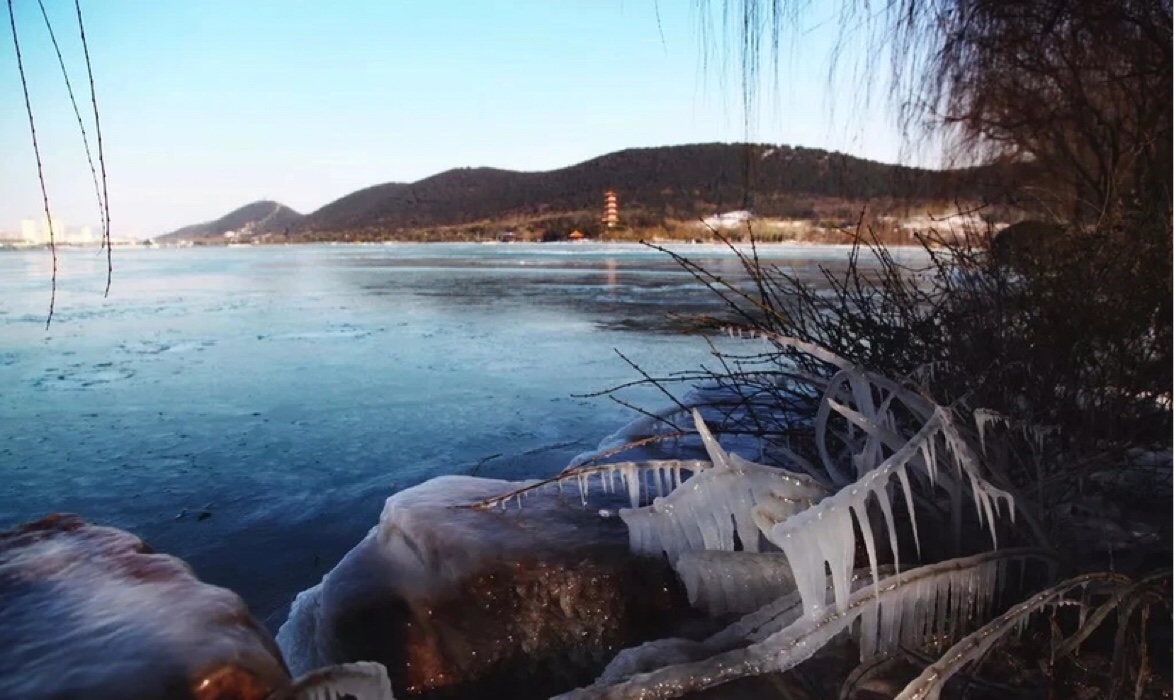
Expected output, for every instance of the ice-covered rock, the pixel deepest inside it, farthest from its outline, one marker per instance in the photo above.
(91, 612)
(498, 602)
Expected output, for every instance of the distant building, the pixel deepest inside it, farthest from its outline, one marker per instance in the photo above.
(727, 220)
(576, 235)
(29, 232)
(611, 210)
(52, 229)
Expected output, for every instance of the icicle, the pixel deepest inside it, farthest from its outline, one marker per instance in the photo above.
(716, 454)
(927, 456)
(968, 463)
(807, 566)
(977, 495)
(823, 539)
(903, 477)
(886, 507)
(983, 419)
(632, 476)
(707, 511)
(839, 558)
(976, 645)
(861, 511)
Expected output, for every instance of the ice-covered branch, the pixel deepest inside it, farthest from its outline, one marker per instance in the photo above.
(905, 608)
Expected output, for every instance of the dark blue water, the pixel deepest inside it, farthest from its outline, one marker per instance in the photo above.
(249, 409)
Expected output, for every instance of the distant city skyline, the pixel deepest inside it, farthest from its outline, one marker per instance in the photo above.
(37, 232)
(206, 106)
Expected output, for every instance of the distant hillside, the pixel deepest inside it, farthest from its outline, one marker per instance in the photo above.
(655, 186)
(263, 217)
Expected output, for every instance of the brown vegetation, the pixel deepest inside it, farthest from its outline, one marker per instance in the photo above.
(1058, 346)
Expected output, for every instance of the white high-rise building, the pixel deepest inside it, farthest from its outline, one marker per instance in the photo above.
(86, 235)
(58, 229)
(29, 232)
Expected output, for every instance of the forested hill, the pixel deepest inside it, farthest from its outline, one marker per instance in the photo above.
(263, 217)
(666, 188)
(654, 185)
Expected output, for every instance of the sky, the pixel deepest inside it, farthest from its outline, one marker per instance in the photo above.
(206, 105)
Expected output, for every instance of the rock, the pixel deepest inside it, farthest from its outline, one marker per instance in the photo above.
(460, 602)
(91, 612)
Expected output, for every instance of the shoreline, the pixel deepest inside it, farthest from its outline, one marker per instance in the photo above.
(153, 245)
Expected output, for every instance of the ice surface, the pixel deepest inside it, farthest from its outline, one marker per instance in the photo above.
(465, 353)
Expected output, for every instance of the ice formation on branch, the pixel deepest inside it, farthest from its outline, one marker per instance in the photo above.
(824, 535)
(638, 480)
(710, 528)
(708, 510)
(928, 685)
(906, 608)
(721, 582)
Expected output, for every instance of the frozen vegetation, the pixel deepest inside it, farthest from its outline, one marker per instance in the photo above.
(776, 547)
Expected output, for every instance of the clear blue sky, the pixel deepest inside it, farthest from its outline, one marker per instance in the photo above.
(210, 104)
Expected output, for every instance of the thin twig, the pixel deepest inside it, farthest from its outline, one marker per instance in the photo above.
(76, 113)
(619, 449)
(567, 475)
(101, 152)
(28, 106)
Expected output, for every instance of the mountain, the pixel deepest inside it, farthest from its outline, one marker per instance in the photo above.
(251, 220)
(656, 187)
(662, 191)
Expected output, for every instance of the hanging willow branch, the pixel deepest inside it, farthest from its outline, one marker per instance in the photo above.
(81, 26)
(28, 106)
(100, 192)
(80, 123)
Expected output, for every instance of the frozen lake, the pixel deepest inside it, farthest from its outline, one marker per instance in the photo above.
(288, 391)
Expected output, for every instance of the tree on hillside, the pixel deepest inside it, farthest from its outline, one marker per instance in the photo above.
(1082, 88)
